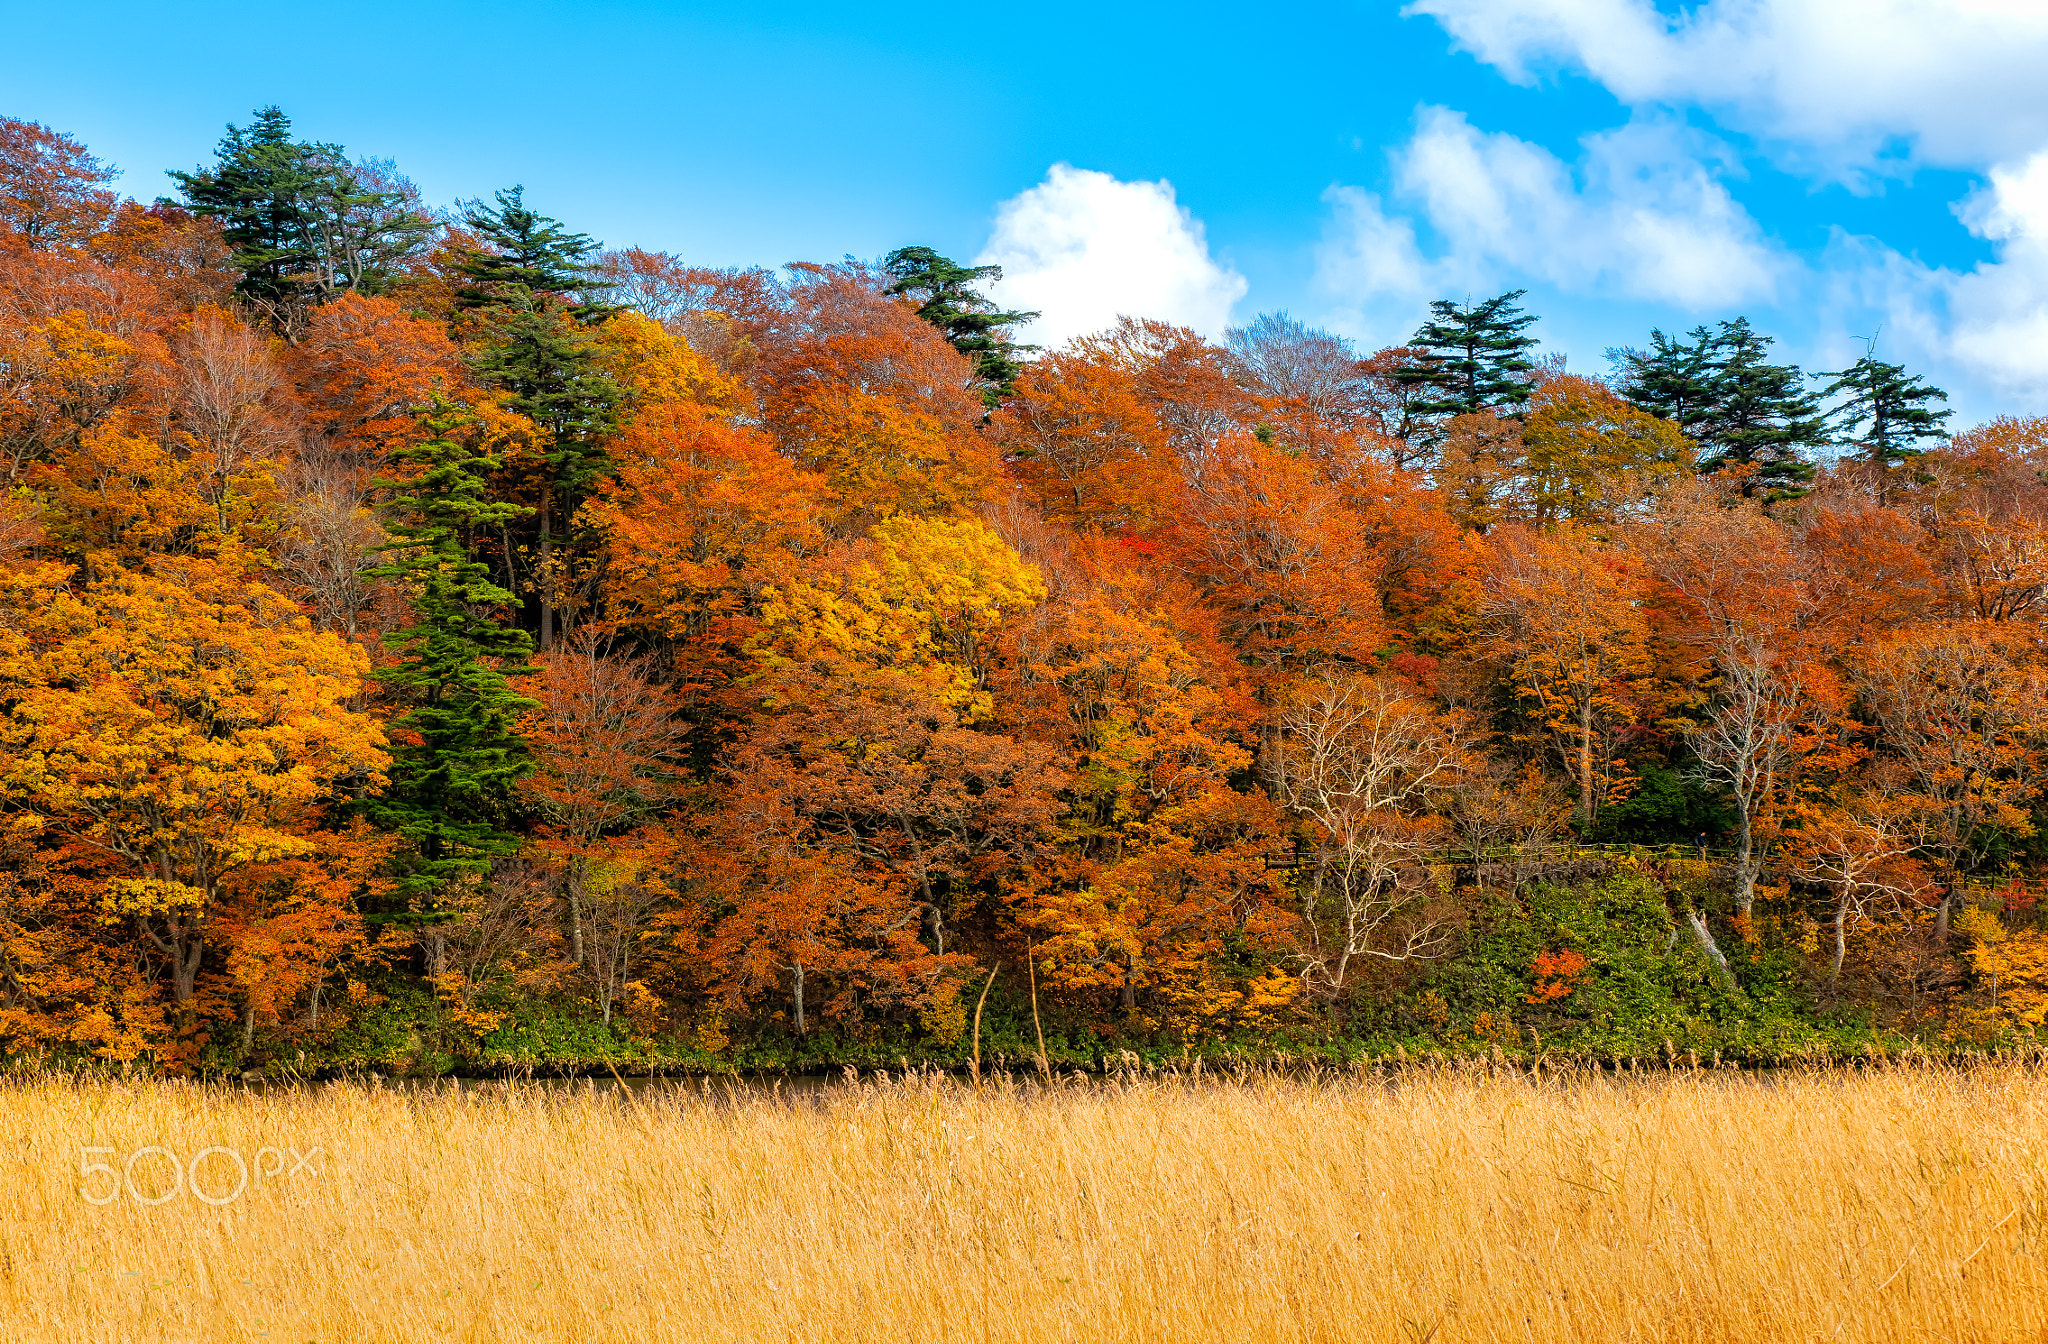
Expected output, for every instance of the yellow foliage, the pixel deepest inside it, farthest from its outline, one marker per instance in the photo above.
(943, 1014)
(883, 458)
(150, 896)
(2011, 966)
(928, 599)
(650, 366)
(1586, 451)
(119, 490)
(181, 720)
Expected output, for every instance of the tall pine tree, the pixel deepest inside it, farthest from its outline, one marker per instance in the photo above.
(529, 288)
(1729, 398)
(455, 754)
(301, 223)
(1885, 414)
(258, 189)
(945, 294)
(1671, 379)
(1761, 415)
(1473, 358)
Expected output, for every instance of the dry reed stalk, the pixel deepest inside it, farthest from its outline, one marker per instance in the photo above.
(1872, 1207)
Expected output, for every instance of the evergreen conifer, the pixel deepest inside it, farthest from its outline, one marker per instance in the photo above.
(1741, 409)
(530, 288)
(976, 326)
(301, 223)
(1886, 414)
(1472, 358)
(455, 753)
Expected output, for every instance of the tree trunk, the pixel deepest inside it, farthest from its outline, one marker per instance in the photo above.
(1745, 869)
(1705, 936)
(1586, 765)
(1841, 934)
(797, 994)
(576, 909)
(186, 954)
(547, 574)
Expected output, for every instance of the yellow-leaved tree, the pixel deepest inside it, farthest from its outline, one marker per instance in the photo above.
(179, 726)
(926, 600)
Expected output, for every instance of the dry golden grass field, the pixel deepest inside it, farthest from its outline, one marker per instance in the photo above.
(1893, 1205)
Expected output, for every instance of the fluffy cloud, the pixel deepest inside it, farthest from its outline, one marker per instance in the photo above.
(1985, 329)
(1844, 84)
(1372, 269)
(1854, 91)
(1639, 217)
(1083, 248)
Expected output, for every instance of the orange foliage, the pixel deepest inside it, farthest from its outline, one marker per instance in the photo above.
(700, 517)
(1087, 448)
(365, 370)
(1280, 557)
(53, 193)
(1555, 974)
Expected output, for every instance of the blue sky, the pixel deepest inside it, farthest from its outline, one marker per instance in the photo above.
(1833, 168)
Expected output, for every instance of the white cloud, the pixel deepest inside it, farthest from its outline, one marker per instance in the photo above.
(1845, 90)
(1984, 329)
(1083, 248)
(1837, 83)
(1370, 266)
(1639, 217)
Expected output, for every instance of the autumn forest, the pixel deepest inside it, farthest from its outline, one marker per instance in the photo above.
(432, 640)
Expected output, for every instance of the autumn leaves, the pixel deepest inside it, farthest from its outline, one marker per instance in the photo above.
(731, 660)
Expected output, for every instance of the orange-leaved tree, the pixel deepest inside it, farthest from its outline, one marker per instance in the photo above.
(184, 725)
(1280, 558)
(1565, 618)
(879, 808)
(699, 519)
(608, 745)
(1162, 866)
(1084, 443)
(1961, 708)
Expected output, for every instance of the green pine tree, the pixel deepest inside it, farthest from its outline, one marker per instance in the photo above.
(1472, 359)
(527, 254)
(1727, 396)
(945, 295)
(529, 287)
(1670, 379)
(301, 223)
(1885, 415)
(456, 754)
(1760, 414)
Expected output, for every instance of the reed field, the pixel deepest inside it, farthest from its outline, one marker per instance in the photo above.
(1893, 1204)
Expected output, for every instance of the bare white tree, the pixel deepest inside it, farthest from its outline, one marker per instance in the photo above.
(1286, 360)
(1747, 742)
(616, 905)
(330, 543)
(1861, 859)
(224, 379)
(494, 921)
(1750, 592)
(1364, 760)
